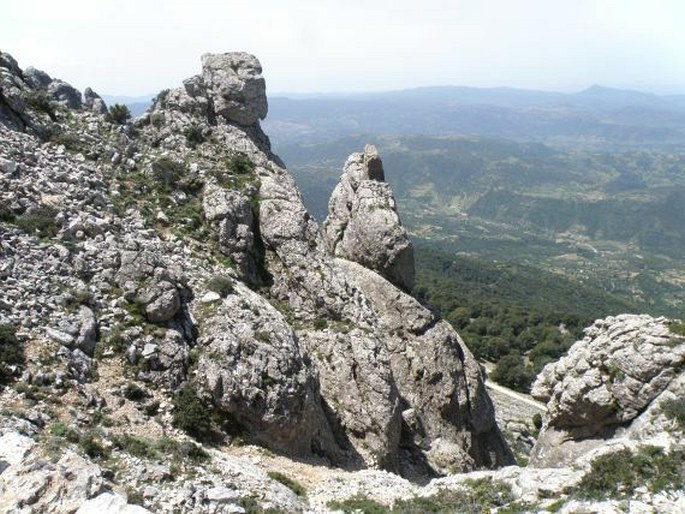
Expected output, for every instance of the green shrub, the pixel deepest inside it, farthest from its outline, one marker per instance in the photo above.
(160, 449)
(220, 284)
(291, 484)
(40, 101)
(134, 392)
(92, 445)
(118, 114)
(537, 421)
(239, 164)
(59, 429)
(617, 474)
(40, 220)
(194, 136)
(11, 353)
(167, 171)
(512, 371)
(192, 415)
(674, 408)
(6, 214)
(134, 496)
(320, 323)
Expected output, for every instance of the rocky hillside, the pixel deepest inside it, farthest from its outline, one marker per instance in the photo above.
(168, 302)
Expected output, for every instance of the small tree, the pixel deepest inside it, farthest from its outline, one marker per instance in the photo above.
(118, 114)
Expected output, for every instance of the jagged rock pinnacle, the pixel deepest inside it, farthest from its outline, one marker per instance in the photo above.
(363, 224)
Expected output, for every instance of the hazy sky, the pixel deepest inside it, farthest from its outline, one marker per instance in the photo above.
(135, 47)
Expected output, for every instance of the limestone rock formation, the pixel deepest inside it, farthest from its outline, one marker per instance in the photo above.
(255, 370)
(174, 253)
(363, 224)
(605, 383)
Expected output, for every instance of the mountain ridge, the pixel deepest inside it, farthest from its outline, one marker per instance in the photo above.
(167, 294)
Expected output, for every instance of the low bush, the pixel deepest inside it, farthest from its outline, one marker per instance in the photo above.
(291, 484)
(118, 114)
(192, 415)
(239, 164)
(39, 220)
(134, 392)
(358, 503)
(167, 171)
(616, 475)
(674, 408)
(11, 353)
(194, 136)
(220, 284)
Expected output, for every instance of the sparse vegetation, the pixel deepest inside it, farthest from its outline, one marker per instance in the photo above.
(192, 415)
(135, 393)
(40, 101)
(291, 484)
(11, 353)
(160, 449)
(674, 408)
(167, 171)
(358, 503)
(616, 475)
(239, 164)
(39, 220)
(677, 328)
(476, 497)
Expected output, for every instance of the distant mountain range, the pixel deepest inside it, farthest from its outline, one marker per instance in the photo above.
(598, 117)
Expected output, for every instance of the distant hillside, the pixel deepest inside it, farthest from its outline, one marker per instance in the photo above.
(613, 221)
(598, 117)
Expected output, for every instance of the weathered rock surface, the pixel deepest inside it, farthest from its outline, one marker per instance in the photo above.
(110, 288)
(363, 224)
(604, 383)
(253, 367)
(110, 503)
(445, 408)
(37, 485)
(234, 83)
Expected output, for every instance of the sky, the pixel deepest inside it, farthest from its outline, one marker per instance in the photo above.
(138, 47)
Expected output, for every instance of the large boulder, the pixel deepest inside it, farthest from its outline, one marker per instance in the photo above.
(363, 224)
(609, 378)
(254, 369)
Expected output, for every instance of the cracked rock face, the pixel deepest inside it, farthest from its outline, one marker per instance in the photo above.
(605, 382)
(363, 225)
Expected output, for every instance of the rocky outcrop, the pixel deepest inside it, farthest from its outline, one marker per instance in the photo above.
(363, 224)
(174, 253)
(605, 383)
(254, 370)
(446, 411)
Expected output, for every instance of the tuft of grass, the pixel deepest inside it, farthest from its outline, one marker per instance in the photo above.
(239, 164)
(134, 392)
(291, 484)
(194, 136)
